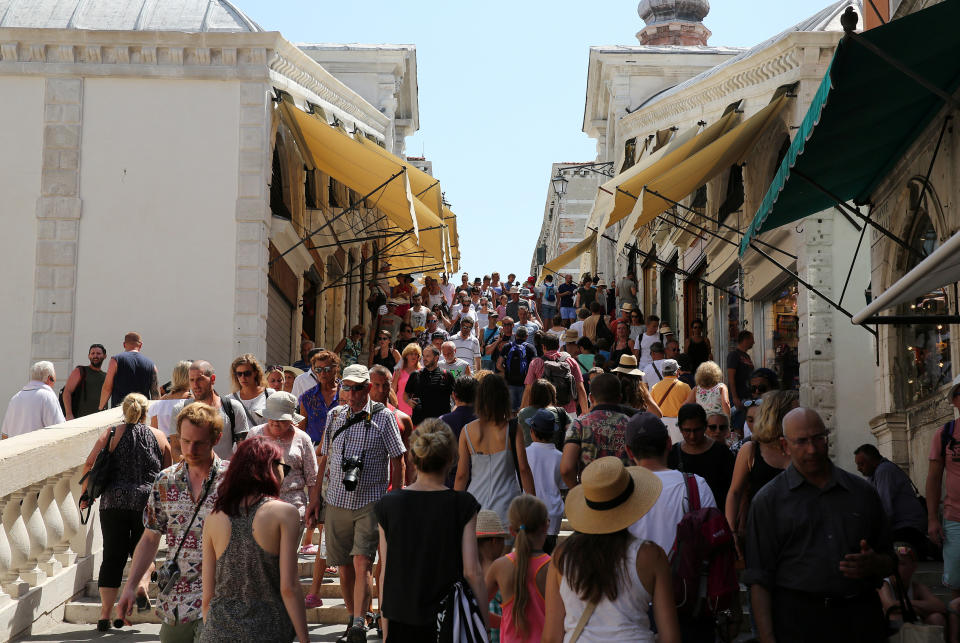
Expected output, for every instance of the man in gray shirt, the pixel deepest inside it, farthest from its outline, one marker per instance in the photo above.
(627, 289)
(818, 546)
(901, 502)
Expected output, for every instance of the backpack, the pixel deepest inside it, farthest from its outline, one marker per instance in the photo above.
(704, 561)
(77, 392)
(946, 437)
(557, 372)
(550, 292)
(514, 365)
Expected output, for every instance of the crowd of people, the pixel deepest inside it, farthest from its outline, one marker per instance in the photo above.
(441, 458)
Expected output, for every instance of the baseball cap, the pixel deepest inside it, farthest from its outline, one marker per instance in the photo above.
(543, 421)
(643, 428)
(356, 373)
(670, 367)
(439, 334)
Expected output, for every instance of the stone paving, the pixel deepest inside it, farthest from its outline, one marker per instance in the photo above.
(68, 632)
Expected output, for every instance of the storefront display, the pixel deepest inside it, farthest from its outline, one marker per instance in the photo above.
(784, 336)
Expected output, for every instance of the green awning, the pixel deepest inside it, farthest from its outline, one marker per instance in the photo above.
(864, 117)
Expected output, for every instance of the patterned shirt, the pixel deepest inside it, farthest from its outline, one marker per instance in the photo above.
(299, 453)
(168, 511)
(376, 438)
(314, 406)
(600, 433)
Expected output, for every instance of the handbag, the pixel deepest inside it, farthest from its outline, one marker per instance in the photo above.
(459, 619)
(911, 630)
(98, 477)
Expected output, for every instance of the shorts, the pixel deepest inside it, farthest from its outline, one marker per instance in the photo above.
(547, 313)
(349, 533)
(951, 554)
(182, 632)
(568, 313)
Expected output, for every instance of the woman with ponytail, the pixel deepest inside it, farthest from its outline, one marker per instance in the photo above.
(521, 575)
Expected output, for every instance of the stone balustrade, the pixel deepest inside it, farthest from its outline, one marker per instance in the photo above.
(46, 554)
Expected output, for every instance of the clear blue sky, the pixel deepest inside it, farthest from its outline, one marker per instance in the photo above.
(502, 88)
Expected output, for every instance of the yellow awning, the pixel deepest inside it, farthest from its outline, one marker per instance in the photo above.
(453, 238)
(424, 187)
(562, 260)
(626, 187)
(685, 177)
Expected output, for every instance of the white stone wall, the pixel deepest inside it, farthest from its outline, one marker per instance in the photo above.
(21, 153)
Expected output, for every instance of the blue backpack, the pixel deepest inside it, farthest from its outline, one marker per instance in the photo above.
(550, 292)
(515, 363)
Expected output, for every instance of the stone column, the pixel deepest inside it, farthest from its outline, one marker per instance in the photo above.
(253, 220)
(70, 514)
(58, 224)
(6, 561)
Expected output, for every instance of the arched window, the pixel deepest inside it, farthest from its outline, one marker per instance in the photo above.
(923, 354)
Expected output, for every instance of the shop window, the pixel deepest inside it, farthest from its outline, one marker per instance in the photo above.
(310, 188)
(923, 355)
(277, 205)
(668, 294)
(734, 195)
(781, 324)
(629, 154)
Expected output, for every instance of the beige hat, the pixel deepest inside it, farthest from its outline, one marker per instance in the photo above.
(489, 525)
(571, 336)
(293, 369)
(282, 406)
(514, 290)
(628, 366)
(611, 497)
(626, 306)
(356, 373)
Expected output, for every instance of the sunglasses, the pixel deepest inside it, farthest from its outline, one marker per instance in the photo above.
(507, 324)
(718, 427)
(323, 369)
(748, 403)
(286, 468)
(243, 373)
(759, 389)
(352, 387)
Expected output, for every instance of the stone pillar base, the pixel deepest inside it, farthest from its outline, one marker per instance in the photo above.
(66, 558)
(16, 588)
(50, 567)
(33, 576)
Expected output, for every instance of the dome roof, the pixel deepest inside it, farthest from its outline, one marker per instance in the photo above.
(655, 11)
(126, 15)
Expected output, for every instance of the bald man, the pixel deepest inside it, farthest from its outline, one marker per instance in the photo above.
(202, 380)
(818, 546)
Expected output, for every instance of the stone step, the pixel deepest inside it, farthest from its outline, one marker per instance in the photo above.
(87, 611)
(329, 589)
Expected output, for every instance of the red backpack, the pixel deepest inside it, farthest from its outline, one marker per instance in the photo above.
(704, 561)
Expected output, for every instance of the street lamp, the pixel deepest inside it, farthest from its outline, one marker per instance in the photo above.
(560, 184)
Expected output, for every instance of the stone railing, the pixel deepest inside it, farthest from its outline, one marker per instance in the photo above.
(46, 554)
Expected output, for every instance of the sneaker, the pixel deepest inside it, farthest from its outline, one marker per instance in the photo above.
(357, 634)
(312, 600)
(309, 550)
(331, 571)
(345, 636)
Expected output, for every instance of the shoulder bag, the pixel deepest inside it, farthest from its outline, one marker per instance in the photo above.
(98, 477)
(459, 618)
(582, 623)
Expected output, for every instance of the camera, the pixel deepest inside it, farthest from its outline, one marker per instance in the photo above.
(167, 576)
(351, 472)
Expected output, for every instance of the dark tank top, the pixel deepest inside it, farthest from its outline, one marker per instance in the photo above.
(761, 472)
(135, 374)
(698, 353)
(388, 362)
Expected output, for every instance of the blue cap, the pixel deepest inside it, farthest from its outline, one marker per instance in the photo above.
(543, 421)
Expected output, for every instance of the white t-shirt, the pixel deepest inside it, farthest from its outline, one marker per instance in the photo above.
(650, 376)
(646, 341)
(636, 331)
(448, 292)
(660, 523)
(34, 407)
(467, 349)
(303, 383)
(255, 406)
(577, 326)
(544, 460)
(166, 412)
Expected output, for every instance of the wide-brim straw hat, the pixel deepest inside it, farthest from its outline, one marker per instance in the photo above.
(628, 366)
(293, 369)
(626, 306)
(571, 337)
(611, 497)
(489, 525)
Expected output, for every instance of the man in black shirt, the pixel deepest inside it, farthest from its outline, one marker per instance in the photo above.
(428, 390)
(567, 290)
(818, 546)
(698, 454)
(739, 369)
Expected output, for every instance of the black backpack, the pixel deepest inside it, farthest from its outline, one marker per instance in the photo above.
(77, 392)
(602, 331)
(557, 372)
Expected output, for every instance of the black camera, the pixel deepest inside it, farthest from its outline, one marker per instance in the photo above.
(351, 472)
(167, 576)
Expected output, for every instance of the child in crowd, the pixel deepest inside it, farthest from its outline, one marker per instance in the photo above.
(490, 538)
(544, 460)
(603, 349)
(710, 392)
(521, 575)
(928, 608)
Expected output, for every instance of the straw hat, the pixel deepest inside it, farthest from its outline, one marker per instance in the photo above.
(293, 369)
(571, 336)
(626, 306)
(611, 497)
(489, 525)
(628, 366)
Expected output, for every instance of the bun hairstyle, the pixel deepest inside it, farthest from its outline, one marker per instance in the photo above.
(433, 447)
(134, 408)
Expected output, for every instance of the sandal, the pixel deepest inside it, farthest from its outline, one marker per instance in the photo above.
(312, 600)
(143, 602)
(103, 625)
(309, 550)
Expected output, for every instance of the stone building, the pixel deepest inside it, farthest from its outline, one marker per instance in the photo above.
(695, 158)
(153, 183)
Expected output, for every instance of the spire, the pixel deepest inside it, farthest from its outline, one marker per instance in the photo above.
(673, 22)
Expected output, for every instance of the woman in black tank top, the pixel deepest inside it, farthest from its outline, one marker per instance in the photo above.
(697, 345)
(383, 353)
(622, 345)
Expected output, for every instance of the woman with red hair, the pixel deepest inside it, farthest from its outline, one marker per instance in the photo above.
(251, 590)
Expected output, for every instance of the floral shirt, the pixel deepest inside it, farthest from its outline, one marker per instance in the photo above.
(298, 452)
(600, 433)
(168, 511)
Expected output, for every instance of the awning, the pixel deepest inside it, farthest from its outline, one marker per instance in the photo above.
(685, 177)
(693, 171)
(453, 238)
(864, 116)
(627, 186)
(939, 269)
(424, 187)
(559, 262)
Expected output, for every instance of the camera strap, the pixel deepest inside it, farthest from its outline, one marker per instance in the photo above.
(375, 408)
(203, 497)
